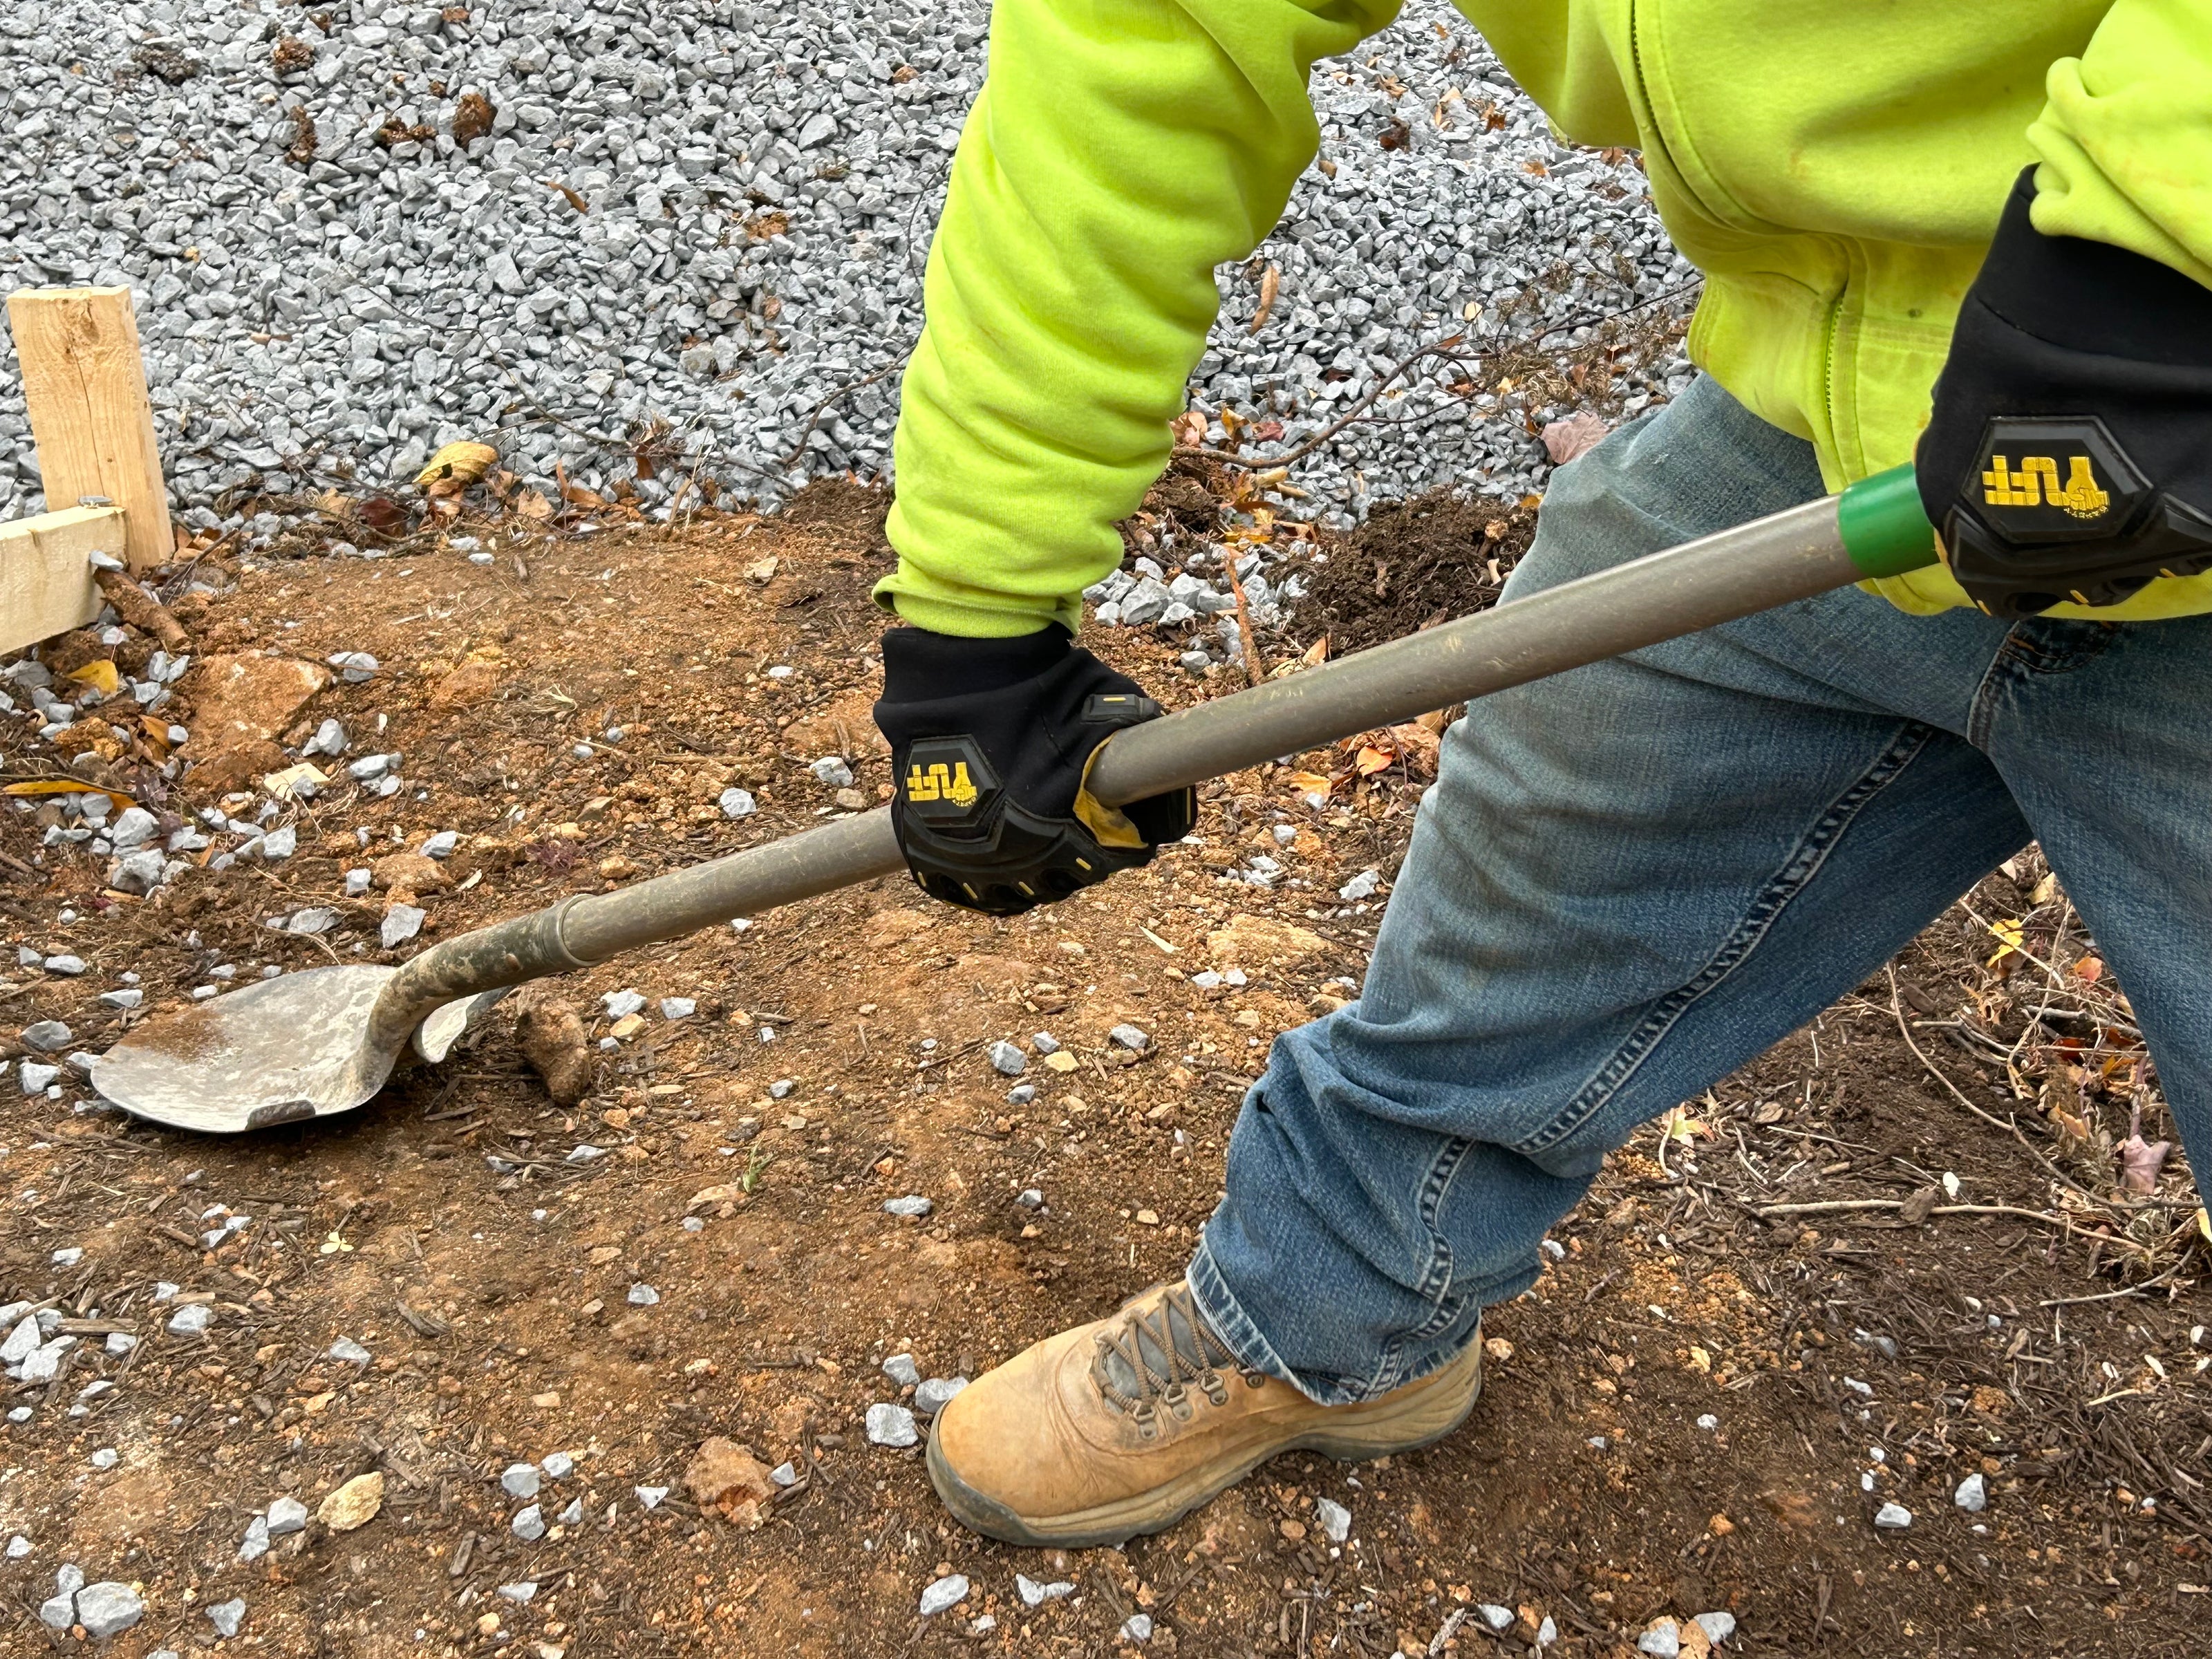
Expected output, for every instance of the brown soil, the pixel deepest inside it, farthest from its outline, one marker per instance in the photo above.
(444, 1227)
(1412, 565)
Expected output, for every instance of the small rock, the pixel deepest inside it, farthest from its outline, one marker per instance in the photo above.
(1045, 1043)
(105, 1458)
(226, 1616)
(348, 1352)
(781, 1088)
(557, 1466)
(287, 1514)
(1021, 1094)
(1718, 1627)
(912, 1204)
(1334, 1519)
(650, 1496)
(256, 1543)
(832, 770)
(677, 1007)
(933, 1395)
(1661, 1639)
(352, 1505)
(191, 1320)
(727, 1478)
(891, 1425)
(357, 667)
(1030, 1198)
(1972, 1495)
(18, 1547)
(1008, 1059)
(23, 1341)
(1137, 1627)
(1035, 1594)
(519, 1479)
(48, 1036)
(1361, 886)
(900, 1368)
(401, 923)
(620, 1004)
(529, 1524)
(357, 880)
(643, 1296)
(1496, 1617)
(1892, 1516)
(735, 803)
(58, 1612)
(68, 967)
(1129, 1037)
(108, 1608)
(949, 1591)
(784, 1474)
(330, 738)
(36, 1079)
(519, 1594)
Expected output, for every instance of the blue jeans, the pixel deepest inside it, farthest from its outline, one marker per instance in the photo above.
(1632, 878)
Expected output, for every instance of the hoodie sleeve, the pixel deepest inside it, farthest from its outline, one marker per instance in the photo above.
(2125, 139)
(1119, 151)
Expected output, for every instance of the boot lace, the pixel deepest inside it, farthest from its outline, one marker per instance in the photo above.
(1148, 1358)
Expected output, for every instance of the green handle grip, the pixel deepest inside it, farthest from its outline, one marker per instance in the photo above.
(1884, 529)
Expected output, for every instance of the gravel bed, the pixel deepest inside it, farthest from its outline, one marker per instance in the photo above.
(364, 229)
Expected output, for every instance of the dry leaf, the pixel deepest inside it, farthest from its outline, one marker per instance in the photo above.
(285, 785)
(762, 572)
(2088, 970)
(1311, 787)
(101, 674)
(1577, 435)
(462, 460)
(2009, 934)
(66, 787)
(1271, 283)
(1187, 429)
(533, 504)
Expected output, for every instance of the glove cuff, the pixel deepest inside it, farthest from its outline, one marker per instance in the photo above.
(920, 666)
(2092, 296)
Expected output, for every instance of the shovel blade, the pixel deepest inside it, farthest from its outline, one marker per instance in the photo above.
(276, 1051)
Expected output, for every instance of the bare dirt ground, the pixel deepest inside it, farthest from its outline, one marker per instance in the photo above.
(1701, 1408)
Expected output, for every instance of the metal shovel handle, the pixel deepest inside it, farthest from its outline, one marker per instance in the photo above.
(1874, 529)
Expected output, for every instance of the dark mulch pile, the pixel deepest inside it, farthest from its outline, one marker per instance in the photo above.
(1412, 566)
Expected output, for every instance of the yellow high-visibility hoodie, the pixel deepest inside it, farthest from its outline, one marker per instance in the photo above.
(1835, 168)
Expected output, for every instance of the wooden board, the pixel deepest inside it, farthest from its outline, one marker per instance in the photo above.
(45, 581)
(84, 384)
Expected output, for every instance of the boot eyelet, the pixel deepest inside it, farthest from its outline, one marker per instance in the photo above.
(1177, 1399)
(1216, 1390)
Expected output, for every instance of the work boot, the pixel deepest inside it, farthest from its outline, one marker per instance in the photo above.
(1126, 1425)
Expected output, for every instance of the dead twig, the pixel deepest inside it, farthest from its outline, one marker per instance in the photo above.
(1255, 671)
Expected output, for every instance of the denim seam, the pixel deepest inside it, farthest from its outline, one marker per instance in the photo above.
(1802, 865)
(1436, 1279)
(2021, 657)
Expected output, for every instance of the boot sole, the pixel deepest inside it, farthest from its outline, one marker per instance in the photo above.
(1404, 1427)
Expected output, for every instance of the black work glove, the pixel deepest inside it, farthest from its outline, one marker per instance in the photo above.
(991, 742)
(2069, 455)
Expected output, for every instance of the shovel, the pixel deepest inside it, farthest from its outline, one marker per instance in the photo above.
(324, 1041)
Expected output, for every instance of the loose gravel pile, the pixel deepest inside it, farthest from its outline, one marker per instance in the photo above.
(360, 229)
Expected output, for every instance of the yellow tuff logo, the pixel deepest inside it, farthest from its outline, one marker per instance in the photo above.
(941, 782)
(2036, 484)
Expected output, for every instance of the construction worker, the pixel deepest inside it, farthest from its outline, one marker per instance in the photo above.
(1981, 230)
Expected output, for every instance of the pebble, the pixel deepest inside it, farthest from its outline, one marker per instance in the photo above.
(557, 1466)
(68, 967)
(1021, 1094)
(902, 1370)
(401, 923)
(192, 1319)
(620, 1004)
(519, 1479)
(1718, 1627)
(781, 1088)
(108, 1609)
(1129, 1037)
(643, 1296)
(1893, 1516)
(1662, 1640)
(784, 1474)
(1709, 1422)
(130, 997)
(287, 1514)
(735, 803)
(1137, 1627)
(18, 1547)
(936, 1393)
(357, 881)
(441, 845)
(573, 1515)
(890, 1425)
(48, 1036)
(24, 1340)
(677, 1007)
(357, 667)
(1496, 1617)
(946, 1592)
(832, 770)
(348, 1352)
(105, 1458)
(529, 1524)
(255, 1544)
(1972, 1495)
(330, 738)
(650, 1496)
(912, 1204)
(1030, 1198)
(226, 1616)
(1361, 886)
(1334, 1519)
(1007, 1059)
(1035, 1594)
(1045, 1043)
(36, 1079)
(520, 1594)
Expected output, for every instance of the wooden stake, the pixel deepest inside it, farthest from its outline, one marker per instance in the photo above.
(84, 383)
(46, 585)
